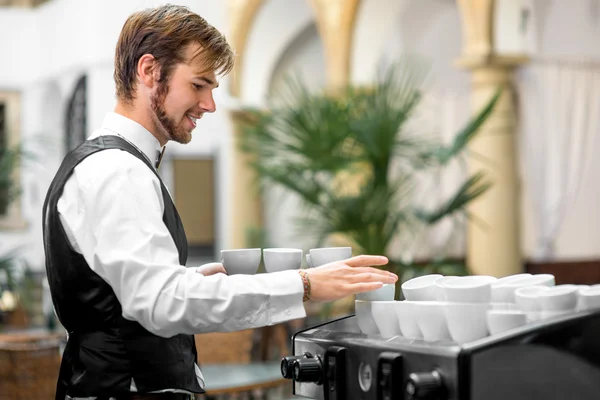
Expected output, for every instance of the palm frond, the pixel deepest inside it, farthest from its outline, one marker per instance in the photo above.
(8, 270)
(462, 139)
(10, 159)
(472, 188)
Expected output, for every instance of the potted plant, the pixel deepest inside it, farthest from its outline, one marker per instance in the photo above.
(353, 161)
(9, 188)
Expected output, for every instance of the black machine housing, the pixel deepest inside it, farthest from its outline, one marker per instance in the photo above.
(553, 359)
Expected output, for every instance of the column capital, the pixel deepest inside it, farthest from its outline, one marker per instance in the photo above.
(478, 26)
(505, 61)
(241, 117)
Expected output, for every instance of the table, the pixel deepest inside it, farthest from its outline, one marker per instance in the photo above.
(236, 378)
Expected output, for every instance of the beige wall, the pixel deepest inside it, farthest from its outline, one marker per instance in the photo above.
(194, 194)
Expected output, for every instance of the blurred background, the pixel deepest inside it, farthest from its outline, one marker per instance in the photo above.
(455, 136)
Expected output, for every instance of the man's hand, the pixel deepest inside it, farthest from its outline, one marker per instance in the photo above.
(339, 279)
(211, 269)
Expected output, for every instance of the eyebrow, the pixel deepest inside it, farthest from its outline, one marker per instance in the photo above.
(207, 80)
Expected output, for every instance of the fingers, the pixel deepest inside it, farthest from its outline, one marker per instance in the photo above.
(373, 275)
(365, 287)
(365, 261)
(211, 269)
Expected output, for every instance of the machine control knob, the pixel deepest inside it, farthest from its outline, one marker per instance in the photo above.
(426, 386)
(308, 370)
(287, 366)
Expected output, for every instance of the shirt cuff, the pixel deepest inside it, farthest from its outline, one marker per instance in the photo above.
(285, 302)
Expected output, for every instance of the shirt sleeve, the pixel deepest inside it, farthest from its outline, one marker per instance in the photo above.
(112, 214)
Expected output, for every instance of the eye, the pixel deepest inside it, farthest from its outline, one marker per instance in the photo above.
(197, 87)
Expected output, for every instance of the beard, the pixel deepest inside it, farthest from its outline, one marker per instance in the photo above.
(173, 130)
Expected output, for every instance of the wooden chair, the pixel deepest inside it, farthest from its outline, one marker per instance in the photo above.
(29, 366)
(274, 342)
(225, 347)
(235, 348)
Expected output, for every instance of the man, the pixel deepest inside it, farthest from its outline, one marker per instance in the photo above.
(115, 246)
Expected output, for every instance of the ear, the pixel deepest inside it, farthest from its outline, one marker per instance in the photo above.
(148, 70)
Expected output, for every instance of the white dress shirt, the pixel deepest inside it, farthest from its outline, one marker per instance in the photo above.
(112, 209)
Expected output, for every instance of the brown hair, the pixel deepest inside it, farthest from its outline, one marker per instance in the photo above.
(165, 32)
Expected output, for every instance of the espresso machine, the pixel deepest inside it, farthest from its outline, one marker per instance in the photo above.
(551, 359)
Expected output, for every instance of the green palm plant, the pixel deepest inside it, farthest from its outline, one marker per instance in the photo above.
(9, 189)
(315, 144)
(8, 271)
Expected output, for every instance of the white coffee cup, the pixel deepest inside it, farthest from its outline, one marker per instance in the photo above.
(421, 288)
(439, 287)
(469, 289)
(432, 320)
(499, 321)
(589, 298)
(467, 321)
(327, 255)
(558, 299)
(309, 262)
(282, 259)
(364, 317)
(385, 318)
(503, 288)
(527, 300)
(385, 293)
(241, 261)
(407, 319)
(505, 292)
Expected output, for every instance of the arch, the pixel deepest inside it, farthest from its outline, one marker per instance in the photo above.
(52, 106)
(431, 29)
(76, 115)
(306, 45)
(275, 27)
(375, 21)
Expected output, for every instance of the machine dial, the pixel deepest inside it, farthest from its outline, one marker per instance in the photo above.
(426, 386)
(308, 370)
(287, 366)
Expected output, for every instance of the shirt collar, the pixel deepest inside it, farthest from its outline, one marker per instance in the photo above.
(133, 132)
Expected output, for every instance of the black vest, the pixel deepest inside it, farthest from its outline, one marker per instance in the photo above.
(105, 351)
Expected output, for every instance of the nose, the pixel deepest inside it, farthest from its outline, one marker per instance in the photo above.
(207, 103)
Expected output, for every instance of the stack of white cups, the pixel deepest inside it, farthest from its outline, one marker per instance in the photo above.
(447, 308)
(464, 309)
(375, 312)
(541, 302)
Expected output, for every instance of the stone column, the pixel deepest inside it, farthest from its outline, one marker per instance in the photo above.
(241, 15)
(335, 22)
(244, 199)
(494, 231)
(246, 210)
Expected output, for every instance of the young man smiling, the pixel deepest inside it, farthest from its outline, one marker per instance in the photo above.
(115, 246)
